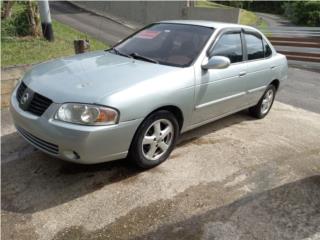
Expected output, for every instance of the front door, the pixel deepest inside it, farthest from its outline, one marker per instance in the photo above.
(221, 91)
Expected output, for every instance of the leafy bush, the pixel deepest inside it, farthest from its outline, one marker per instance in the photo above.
(303, 12)
(19, 23)
(256, 6)
(299, 12)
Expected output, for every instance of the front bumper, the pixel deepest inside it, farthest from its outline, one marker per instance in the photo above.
(71, 142)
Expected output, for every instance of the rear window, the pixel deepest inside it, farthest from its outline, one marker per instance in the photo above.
(254, 46)
(267, 49)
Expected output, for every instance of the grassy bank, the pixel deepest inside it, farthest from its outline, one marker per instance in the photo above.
(207, 4)
(26, 50)
(251, 19)
(245, 18)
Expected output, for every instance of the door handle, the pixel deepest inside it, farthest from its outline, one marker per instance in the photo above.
(242, 73)
(273, 67)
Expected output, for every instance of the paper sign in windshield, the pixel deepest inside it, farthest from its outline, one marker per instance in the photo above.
(148, 34)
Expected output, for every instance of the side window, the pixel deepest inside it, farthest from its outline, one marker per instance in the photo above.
(267, 49)
(254, 46)
(229, 45)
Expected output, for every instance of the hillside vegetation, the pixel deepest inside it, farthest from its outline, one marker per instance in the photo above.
(20, 47)
(305, 13)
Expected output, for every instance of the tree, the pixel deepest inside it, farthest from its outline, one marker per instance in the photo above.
(34, 19)
(6, 9)
(24, 21)
(303, 12)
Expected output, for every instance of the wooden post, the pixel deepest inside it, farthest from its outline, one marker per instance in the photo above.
(81, 46)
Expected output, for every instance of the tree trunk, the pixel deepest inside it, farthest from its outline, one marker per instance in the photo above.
(6, 9)
(33, 18)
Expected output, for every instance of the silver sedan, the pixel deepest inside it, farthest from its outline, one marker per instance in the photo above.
(134, 99)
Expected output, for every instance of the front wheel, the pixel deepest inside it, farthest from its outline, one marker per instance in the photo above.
(155, 139)
(264, 105)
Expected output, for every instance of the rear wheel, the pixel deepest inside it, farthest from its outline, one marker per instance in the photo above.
(155, 139)
(264, 105)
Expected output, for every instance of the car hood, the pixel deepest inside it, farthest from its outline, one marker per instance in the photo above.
(90, 77)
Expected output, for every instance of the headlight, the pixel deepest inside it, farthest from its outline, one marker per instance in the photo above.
(86, 114)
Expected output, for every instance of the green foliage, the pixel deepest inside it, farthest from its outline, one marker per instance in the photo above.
(264, 6)
(19, 48)
(299, 12)
(18, 23)
(24, 50)
(303, 12)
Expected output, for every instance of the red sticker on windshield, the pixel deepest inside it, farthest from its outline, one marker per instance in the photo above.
(148, 34)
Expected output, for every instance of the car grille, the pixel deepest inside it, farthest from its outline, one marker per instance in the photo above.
(38, 104)
(44, 145)
(21, 90)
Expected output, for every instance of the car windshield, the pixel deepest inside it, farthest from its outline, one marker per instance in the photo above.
(166, 43)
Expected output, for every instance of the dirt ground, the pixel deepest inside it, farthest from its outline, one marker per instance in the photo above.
(237, 178)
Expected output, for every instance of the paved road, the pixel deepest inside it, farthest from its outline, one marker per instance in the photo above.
(275, 20)
(282, 27)
(302, 90)
(278, 24)
(101, 28)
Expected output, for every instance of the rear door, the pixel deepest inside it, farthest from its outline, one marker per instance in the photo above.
(259, 65)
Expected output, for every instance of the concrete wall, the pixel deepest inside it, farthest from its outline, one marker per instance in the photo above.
(214, 14)
(145, 12)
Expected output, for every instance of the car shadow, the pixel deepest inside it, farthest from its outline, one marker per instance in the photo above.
(194, 135)
(290, 211)
(33, 181)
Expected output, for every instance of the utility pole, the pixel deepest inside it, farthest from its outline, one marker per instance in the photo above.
(46, 20)
(191, 3)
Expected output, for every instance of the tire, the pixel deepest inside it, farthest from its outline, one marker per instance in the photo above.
(261, 109)
(149, 146)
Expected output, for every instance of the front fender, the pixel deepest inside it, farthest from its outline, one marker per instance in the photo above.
(137, 101)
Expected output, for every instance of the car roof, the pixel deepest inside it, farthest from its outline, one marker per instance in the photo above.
(215, 25)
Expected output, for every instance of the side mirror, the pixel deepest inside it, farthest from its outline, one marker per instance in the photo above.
(216, 62)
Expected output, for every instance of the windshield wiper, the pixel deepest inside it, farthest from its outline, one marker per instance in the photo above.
(120, 53)
(138, 56)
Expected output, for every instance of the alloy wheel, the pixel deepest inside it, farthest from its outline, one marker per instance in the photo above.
(267, 101)
(157, 139)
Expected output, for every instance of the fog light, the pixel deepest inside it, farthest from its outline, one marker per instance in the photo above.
(71, 155)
